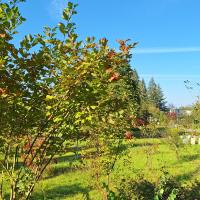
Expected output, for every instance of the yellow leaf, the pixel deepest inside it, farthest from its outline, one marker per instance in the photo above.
(49, 97)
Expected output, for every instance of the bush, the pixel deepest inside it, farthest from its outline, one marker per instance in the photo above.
(148, 132)
(190, 191)
(168, 188)
(136, 189)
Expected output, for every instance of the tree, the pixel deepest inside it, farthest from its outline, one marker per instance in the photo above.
(161, 99)
(156, 96)
(143, 90)
(152, 92)
(195, 115)
(135, 86)
(135, 75)
(144, 106)
(52, 96)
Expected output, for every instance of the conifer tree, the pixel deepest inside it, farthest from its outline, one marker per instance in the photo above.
(144, 113)
(135, 82)
(152, 92)
(156, 96)
(161, 104)
(143, 90)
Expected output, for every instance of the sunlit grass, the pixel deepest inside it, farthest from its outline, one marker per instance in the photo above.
(148, 157)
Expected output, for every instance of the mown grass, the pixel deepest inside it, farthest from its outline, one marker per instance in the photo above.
(68, 179)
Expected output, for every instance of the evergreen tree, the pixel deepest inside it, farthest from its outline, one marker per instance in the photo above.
(134, 80)
(143, 90)
(156, 96)
(161, 103)
(144, 112)
(152, 92)
(135, 75)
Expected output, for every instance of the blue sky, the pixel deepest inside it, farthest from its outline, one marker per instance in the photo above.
(168, 33)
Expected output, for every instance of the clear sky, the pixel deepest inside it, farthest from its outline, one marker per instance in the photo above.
(168, 33)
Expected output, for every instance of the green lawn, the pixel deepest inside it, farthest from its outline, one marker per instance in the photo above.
(150, 157)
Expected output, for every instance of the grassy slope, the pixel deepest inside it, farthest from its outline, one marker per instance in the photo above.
(146, 156)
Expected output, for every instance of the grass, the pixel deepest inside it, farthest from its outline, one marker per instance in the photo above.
(148, 157)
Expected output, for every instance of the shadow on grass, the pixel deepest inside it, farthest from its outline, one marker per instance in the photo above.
(62, 192)
(53, 171)
(68, 158)
(189, 175)
(133, 145)
(189, 158)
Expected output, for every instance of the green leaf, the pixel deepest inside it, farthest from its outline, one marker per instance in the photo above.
(121, 112)
(57, 119)
(49, 107)
(111, 121)
(66, 14)
(78, 114)
(70, 5)
(62, 28)
(89, 118)
(29, 37)
(48, 114)
(93, 107)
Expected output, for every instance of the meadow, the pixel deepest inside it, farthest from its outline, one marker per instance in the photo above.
(70, 179)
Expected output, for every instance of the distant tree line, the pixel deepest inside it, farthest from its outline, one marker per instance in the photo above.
(150, 98)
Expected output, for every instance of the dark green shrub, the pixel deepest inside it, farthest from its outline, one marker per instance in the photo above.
(168, 188)
(190, 191)
(136, 189)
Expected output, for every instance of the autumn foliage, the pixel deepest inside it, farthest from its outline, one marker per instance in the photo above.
(54, 92)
